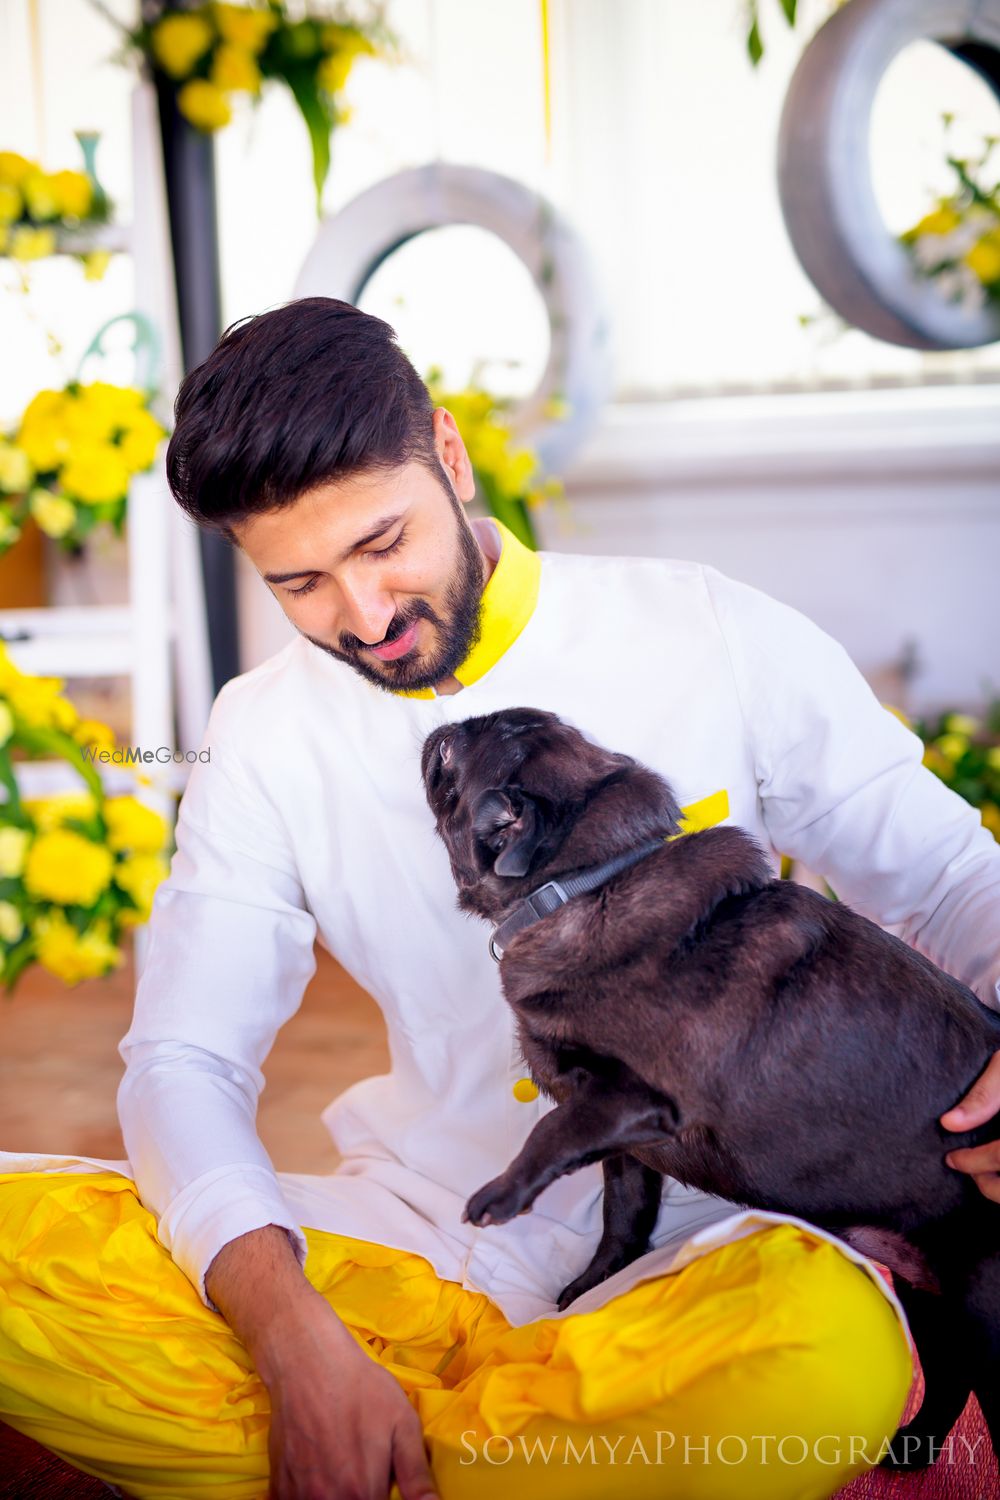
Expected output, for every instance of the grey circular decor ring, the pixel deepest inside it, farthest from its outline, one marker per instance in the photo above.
(352, 244)
(824, 168)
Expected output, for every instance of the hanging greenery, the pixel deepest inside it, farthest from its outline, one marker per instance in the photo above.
(76, 868)
(957, 244)
(509, 476)
(70, 461)
(212, 52)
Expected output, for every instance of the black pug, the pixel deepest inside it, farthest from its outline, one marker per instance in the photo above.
(694, 1016)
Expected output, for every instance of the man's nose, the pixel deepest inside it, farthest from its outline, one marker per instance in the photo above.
(369, 610)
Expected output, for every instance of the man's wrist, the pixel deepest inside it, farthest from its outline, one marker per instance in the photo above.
(254, 1280)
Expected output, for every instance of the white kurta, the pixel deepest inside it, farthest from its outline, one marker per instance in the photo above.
(310, 820)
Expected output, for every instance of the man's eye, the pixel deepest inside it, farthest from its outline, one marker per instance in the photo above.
(305, 587)
(392, 547)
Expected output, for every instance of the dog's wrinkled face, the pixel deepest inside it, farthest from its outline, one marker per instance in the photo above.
(507, 788)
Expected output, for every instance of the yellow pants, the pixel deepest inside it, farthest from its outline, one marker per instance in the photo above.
(772, 1367)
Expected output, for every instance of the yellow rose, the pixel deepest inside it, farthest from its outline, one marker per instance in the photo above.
(983, 259)
(31, 244)
(52, 811)
(11, 925)
(936, 762)
(39, 197)
(952, 746)
(35, 700)
(94, 473)
(243, 27)
(961, 724)
(204, 105)
(64, 866)
(70, 956)
(6, 723)
(11, 204)
(133, 826)
(14, 168)
(15, 468)
(54, 513)
(179, 40)
(139, 876)
(95, 263)
(73, 193)
(942, 221)
(13, 850)
(234, 69)
(140, 441)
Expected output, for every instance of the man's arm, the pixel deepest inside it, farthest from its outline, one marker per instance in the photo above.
(844, 790)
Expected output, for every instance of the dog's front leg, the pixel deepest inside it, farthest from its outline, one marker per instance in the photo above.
(594, 1123)
(632, 1194)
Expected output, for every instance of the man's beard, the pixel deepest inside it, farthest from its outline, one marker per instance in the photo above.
(457, 633)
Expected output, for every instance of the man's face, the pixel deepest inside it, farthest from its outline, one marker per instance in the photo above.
(382, 571)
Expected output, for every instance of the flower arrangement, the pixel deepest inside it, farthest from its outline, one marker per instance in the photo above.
(70, 461)
(212, 51)
(965, 753)
(508, 474)
(76, 868)
(36, 207)
(958, 243)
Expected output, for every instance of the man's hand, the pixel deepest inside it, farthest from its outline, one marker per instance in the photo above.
(341, 1426)
(980, 1104)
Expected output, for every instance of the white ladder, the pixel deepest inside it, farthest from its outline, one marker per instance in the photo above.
(159, 640)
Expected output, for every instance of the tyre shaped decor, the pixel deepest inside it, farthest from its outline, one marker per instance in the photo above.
(825, 177)
(352, 244)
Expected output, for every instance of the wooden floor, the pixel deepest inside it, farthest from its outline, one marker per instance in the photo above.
(60, 1068)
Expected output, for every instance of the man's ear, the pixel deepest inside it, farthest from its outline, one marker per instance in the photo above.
(509, 824)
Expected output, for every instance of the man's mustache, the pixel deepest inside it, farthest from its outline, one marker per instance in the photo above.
(421, 610)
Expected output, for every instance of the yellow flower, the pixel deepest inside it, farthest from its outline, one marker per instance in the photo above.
(15, 468)
(133, 826)
(95, 263)
(233, 68)
(6, 723)
(952, 746)
(52, 811)
(11, 203)
(204, 105)
(42, 433)
(942, 221)
(14, 168)
(983, 259)
(72, 957)
(993, 757)
(73, 193)
(334, 71)
(93, 732)
(39, 196)
(13, 850)
(31, 244)
(337, 38)
(139, 876)
(64, 866)
(936, 762)
(961, 724)
(142, 437)
(991, 818)
(95, 472)
(37, 701)
(54, 513)
(11, 925)
(243, 27)
(4, 239)
(179, 40)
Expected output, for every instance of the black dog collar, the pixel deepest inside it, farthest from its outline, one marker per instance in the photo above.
(555, 893)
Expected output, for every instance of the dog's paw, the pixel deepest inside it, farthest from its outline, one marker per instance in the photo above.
(496, 1203)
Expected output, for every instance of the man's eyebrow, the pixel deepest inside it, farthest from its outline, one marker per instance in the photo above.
(379, 529)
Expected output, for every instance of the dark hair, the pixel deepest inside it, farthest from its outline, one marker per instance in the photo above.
(308, 392)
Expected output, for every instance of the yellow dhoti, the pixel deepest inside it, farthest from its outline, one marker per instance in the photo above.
(772, 1367)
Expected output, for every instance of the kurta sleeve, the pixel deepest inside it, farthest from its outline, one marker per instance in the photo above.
(844, 790)
(229, 955)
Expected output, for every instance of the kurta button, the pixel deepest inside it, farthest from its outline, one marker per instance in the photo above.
(524, 1091)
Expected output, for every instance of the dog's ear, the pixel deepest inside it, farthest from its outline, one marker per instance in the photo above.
(508, 823)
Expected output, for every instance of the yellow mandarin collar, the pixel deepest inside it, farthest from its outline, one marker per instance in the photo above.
(508, 602)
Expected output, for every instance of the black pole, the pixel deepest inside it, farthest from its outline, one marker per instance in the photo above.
(189, 169)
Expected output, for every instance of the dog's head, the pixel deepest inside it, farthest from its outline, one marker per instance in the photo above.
(520, 795)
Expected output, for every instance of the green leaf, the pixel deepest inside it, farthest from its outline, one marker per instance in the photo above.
(319, 122)
(755, 45)
(789, 7)
(53, 742)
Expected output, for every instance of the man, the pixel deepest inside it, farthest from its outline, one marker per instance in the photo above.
(745, 1353)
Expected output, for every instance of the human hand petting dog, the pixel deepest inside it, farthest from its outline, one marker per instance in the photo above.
(980, 1104)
